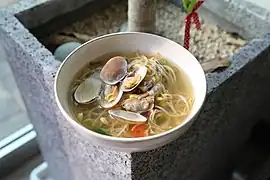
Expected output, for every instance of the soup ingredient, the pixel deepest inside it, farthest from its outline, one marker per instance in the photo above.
(138, 130)
(88, 90)
(114, 70)
(134, 79)
(111, 93)
(173, 105)
(102, 131)
(143, 102)
(159, 122)
(156, 90)
(127, 116)
(146, 85)
(110, 96)
(135, 104)
(157, 97)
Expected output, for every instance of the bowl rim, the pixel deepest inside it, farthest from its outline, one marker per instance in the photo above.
(121, 139)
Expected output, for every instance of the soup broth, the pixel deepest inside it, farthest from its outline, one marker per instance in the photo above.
(132, 95)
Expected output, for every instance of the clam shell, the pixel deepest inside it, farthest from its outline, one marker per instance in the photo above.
(138, 106)
(114, 70)
(88, 90)
(127, 116)
(105, 104)
(142, 71)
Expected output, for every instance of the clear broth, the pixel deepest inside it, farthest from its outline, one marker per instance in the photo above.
(101, 122)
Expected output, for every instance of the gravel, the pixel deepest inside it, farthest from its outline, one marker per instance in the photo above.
(207, 44)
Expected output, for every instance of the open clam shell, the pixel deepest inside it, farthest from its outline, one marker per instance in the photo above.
(88, 90)
(134, 79)
(114, 70)
(127, 116)
(110, 96)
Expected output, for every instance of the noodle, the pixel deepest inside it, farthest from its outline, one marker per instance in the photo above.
(171, 105)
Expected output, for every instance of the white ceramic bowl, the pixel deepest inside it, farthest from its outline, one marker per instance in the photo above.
(130, 42)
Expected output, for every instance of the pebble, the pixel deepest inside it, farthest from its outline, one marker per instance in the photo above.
(123, 27)
(64, 50)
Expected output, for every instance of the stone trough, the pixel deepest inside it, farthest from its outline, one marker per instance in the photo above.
(237, 97)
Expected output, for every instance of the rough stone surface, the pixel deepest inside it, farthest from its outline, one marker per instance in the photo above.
(204, 152)
(68, 155)
(263, 173)
(249, 19)
(35, 12)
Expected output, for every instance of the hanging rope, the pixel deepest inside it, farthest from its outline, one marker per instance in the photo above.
(193, 15)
